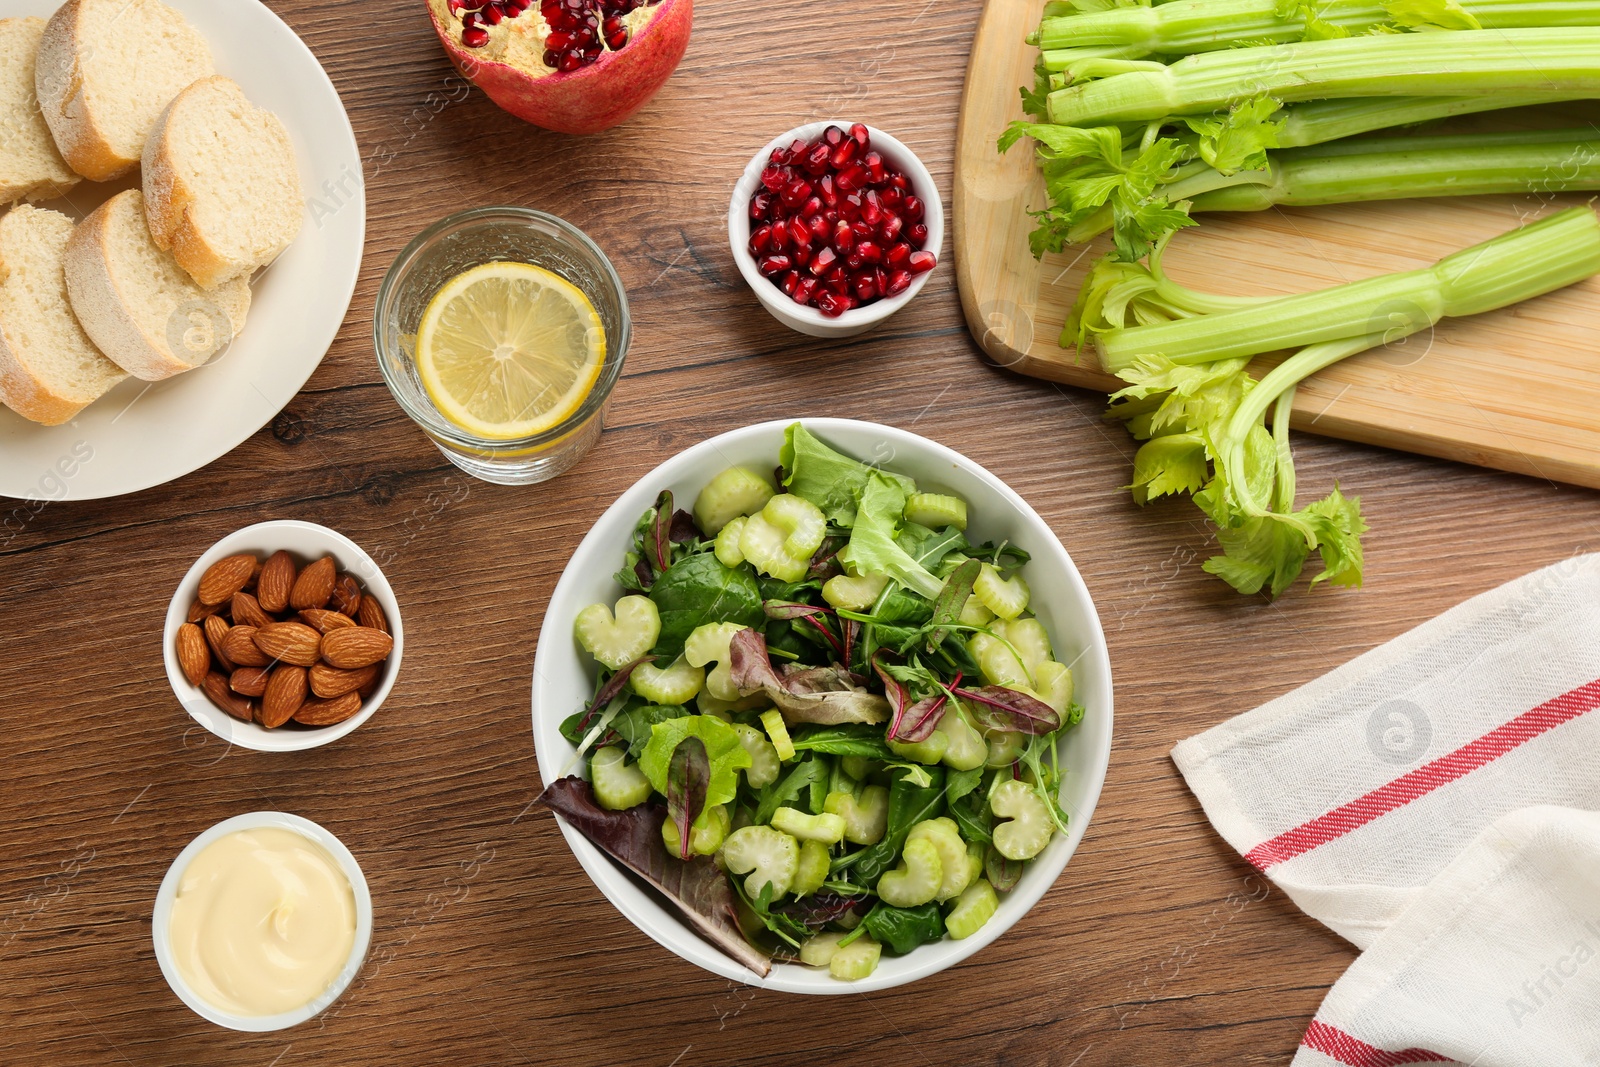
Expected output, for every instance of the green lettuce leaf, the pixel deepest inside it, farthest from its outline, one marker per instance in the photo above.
(873, 548)
(726, 754)
(830, 480)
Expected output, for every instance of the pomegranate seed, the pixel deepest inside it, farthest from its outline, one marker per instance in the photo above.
(900, 182)
(795, 193)
(493, 13)
(804, 290)
(871, 211)
(833, 136)
(836, 279)
(865, 289)
(456, 7)
(913, 209)
(844, 238)
(922, 262)
(827, 192)
(779, 156)
(890, 229)
(832, 304)
(850, 208)
(798, 150)
(852, 179)
(799, 233)
(830, 216)
(471, 19)
(812, 207)
(551, 59)
(474, 36)
(862, 230)
(760, 240)
(824, 260)
(775, 177)
(801, 257)
(517, 7)
(880, 279)
(898, 281)
(874, 164)
(891, 198)
(918, 234)
(779, 240)
(869, 251)
(898, 256)
(616, 41)
(760, 204)
(861, 135)
(789, 282)
(820, 228)
(570, 62)
(774, 265)
(816, 162)
(843, 154)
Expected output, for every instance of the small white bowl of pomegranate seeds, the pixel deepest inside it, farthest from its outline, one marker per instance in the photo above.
(836, 226)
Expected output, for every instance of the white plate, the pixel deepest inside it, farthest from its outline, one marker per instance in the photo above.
(141, 433)
(563, 678)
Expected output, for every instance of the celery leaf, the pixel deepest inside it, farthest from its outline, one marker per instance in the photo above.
(1436, 14)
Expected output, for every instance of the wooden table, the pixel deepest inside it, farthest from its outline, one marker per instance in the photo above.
(1157, 946)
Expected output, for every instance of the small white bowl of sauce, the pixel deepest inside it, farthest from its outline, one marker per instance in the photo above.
(262, 922)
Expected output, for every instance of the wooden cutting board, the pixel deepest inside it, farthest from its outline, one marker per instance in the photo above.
(1516, 389)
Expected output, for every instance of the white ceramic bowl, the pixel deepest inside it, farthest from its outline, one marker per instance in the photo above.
(808, 320)
(307, 542)
(160, 925)
(563, 677)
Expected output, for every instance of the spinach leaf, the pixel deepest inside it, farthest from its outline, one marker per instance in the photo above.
(909, 804)
(968, 805)
(788, 789)
(773, 589)
(848, 739)
(830, 480)
(899, 930)
(633, 725)
(698, 589)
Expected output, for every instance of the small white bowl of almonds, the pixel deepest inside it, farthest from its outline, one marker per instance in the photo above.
(284, 636)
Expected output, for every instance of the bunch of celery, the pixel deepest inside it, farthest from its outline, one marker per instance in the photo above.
(1151, 111)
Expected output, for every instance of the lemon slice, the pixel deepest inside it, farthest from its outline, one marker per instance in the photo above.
(509, 349)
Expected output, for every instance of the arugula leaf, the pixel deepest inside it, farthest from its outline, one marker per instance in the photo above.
(698, 589)
(900, 930)
(633, 725)
(848, 739)
(787, 790)
(724, 752)
(873, 548)
(832, 481)
(688, 779)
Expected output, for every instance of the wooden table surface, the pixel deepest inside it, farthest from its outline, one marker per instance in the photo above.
(1157, 945)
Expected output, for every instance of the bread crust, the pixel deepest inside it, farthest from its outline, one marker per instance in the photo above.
(168, 197)
(103, 308)
(35, 186)
(25, 394)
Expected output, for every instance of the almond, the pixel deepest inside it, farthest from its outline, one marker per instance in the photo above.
(249, 681)
(226, 577)
(286, 691)
(194, 655)
(240, 647)
(246, 611)
(216, 687)
(370, 613)
(276, 582)
(327, 712)
(330, 682)
(199, 612)
(291, 642)
(314, 586)
(322, 620)
(346, 596)
(356, 646)
(216, 629)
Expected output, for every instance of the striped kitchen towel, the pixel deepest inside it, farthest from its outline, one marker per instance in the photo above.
(1430, 802)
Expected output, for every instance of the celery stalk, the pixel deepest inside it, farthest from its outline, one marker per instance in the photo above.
(1550, 254)
(1190, 26)
(1392, 168)
(1407, 64)
(1320, 121)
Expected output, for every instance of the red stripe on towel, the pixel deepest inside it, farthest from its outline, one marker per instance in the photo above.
(1354, 1052)
(1425, 779)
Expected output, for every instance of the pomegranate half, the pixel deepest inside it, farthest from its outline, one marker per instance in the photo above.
(573, 66)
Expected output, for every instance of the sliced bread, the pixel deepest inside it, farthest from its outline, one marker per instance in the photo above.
(137, 304)
(49, 369)
(220, 184)
(106, 71)
(30, 166)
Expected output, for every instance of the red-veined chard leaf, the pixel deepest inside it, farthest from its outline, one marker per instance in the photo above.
(784, 610)
(684, 530)
(660, 538)
(697, 889)
(910, 721)
(1003, 874)
(952, 598)
(997, 708)
(688, 779)
(824, 564)
(819, 909)
(797, 694)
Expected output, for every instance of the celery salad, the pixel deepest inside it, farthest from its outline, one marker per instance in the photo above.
(825, 722)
